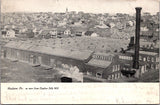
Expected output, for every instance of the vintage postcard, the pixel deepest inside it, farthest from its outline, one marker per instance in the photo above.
(100, 48)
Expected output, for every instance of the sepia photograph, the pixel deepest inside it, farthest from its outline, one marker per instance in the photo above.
(79, 41)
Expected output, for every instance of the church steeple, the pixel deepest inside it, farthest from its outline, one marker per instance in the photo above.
(66, 10)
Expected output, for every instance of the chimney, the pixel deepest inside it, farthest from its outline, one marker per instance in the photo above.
(137, 38)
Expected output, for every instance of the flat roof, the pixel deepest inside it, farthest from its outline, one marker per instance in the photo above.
(144, 52)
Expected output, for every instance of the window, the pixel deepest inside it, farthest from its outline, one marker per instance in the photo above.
(140, 57)
(102, 57)
(157, 66)
(157, 59)
(96, 56)
(144, 67)
(118, 68)
(129, 58)
(105, 58)
(152, 66)
(113, 68)
(148, 58)
(152, 59)
(111, 58)
(115, 76)
(148, 66)
(112, 76)
(122, 57)
(144, 59)
(109, 77)
(119, 75)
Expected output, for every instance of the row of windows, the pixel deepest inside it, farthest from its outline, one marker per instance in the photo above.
(127, 69)
(152, 66)
(148, 46)
(143, 69)
(126, 57)
(102, 57)
(152, 59)
(149, 66)
(115, 76)
(115, 68)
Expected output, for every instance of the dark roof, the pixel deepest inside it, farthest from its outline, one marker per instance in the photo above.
(88, 33)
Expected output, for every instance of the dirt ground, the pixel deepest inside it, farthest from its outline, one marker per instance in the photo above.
(23, 72)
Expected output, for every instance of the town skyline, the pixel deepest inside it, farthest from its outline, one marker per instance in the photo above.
(106, 6)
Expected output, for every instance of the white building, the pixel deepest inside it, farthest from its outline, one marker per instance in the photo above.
(9, 34)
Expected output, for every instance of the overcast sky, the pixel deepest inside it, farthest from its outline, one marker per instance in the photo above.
(94, 6)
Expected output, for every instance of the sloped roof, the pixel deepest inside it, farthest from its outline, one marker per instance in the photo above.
(88, 33)
(13, 44)
(25, 46)
(99, 63)
(35, 47)
(78, 29)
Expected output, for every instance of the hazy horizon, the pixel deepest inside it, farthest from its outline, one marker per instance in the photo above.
(96, 6)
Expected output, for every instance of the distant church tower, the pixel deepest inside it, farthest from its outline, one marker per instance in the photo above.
(67, 13)
(66, 10)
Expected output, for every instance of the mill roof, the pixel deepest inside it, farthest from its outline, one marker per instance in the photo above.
(99, 63)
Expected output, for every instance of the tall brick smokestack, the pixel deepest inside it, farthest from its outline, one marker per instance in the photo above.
(137, 38)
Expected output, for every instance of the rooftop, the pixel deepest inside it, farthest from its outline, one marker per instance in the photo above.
(99, 63)
(144, 52)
